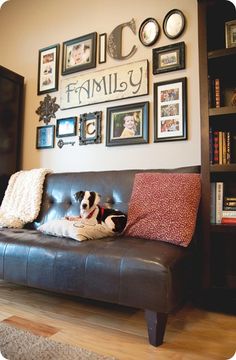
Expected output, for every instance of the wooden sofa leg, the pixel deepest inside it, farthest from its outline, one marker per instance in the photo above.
(156, 323)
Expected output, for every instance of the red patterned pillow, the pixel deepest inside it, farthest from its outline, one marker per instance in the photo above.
(164, 206)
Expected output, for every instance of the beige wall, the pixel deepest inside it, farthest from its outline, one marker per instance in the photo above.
(27, 26)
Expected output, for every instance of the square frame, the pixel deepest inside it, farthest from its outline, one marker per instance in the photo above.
(170, 110)
(168, 58)
(66, 127)
(102, 50)
(137, 129)
(230, 34)
(45, 136)
(90, 128)
(48, 69)
(79, 54)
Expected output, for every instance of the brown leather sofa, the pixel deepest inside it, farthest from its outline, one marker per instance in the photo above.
(144, 274)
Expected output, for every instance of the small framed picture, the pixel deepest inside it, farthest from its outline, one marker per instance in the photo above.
(170, 110)
(149, 32)
(48, 66)
(230, 34)
(168, 58)
(79, 54)
(66, 127)
(102, 48)
(90, 128)
(45, 137)
(127, 124)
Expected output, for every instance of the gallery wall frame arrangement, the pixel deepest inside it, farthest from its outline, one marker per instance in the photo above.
(174, 24)
(170, 110)
(149, 32)
(48, 69)
(90, 128)
(127, 124)
(168, 58)
(79, 54)
(66, 127)
(45, 136)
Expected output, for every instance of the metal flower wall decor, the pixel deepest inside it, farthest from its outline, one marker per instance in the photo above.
(47, 109)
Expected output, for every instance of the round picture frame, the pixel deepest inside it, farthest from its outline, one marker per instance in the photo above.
(174, 24)
(149, 32)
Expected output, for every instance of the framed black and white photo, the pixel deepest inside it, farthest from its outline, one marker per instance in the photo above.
(90, 128)
(79, 54)
(48, 67)
(45, 137)
(170, 110)
(102, 53)
(168, 58)
(174, 24)
(149, 32)
(66, 127)
(127, 124)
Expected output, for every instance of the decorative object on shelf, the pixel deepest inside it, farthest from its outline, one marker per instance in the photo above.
(45, 137)
(79, 54)
(170, 110)
(48, 67)
(90, 128)
(149, 32)
(127, 124)
(168, 58)
(66, 127)
(233, 99)
(61, 143)
(230, 34)
(120, 82)
(102, 54)
(114, 47)
(174, 24)
(47, 109)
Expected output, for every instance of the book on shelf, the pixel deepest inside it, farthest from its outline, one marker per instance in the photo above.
(222, 146)
(229, 213)
(227, 220)
(216, 205)
(214, 93)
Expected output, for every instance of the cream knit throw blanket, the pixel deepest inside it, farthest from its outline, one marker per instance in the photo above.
(22, 199)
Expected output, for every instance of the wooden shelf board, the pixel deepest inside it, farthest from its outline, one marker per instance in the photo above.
(221, 53)
(224, 110)
(223, 168)
(223, 228)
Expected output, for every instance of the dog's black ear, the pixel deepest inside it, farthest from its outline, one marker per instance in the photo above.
(79, 195)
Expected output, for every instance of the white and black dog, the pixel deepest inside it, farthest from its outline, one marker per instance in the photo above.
(89, 209)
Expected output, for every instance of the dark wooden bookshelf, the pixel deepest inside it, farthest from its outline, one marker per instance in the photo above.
(218, 241)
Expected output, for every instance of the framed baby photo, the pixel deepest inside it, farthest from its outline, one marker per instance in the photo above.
(45, 137)
(168, 58)
(170, 110)
(79, 54)
(66, 127)
(48, 67)
(127, 124)
(90, 128)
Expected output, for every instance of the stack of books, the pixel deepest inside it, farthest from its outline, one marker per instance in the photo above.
(229, 210)
(214, 92)
(223, 208)
(222, 147)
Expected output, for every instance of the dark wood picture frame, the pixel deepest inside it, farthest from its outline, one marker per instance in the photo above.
(90, 128)
(170, 110)
(66, 127)
(168, 58)
(45, 137)
(137, 129)
(48, 69)
(79, 54)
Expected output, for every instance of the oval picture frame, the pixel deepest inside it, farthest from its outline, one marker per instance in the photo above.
(149, 31)
(174, 24)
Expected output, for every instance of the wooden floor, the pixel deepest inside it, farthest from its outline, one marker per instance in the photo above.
(192, 333)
